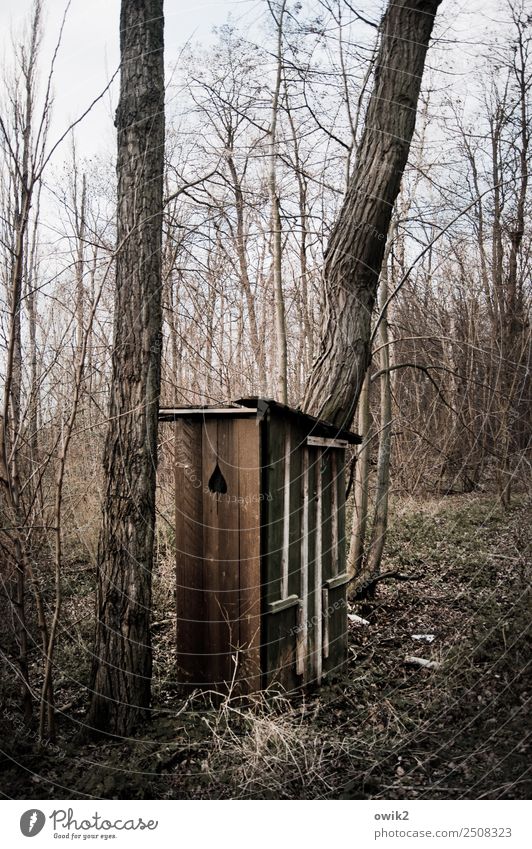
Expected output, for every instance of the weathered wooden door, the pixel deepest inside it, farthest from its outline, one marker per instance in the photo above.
(322, 595)
(218, 553)
(304, 577)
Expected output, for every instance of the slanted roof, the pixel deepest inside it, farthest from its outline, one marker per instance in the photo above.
(259, 407)
(170, 414)
(316, 427)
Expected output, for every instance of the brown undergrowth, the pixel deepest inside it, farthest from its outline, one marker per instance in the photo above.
(381, 729)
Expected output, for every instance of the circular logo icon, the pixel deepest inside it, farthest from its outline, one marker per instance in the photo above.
(32, 822)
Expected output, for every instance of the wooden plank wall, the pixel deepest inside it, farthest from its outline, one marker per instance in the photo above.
(218, 554)
(241, 553)
(303, 641)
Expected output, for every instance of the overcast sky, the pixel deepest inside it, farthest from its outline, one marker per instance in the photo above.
(89, 53)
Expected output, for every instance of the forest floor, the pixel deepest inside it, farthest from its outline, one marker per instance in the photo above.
(383, 729)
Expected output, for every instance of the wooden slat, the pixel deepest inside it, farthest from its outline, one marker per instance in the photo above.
(325, 609)
(334, 512)
(326, 521)
(221, 550)
(214, 630)
(249, 553)
(229, 549)
(337, 626)
(337, 586)
(324, 442)
(279, 630)
(337, 581)
(171, 413)
(283, 603)
(189, 553)
(274, 531)
(318, 614)
(294, 554)
(302, 630)
(312, 605)
(286, 513)
(340, 495)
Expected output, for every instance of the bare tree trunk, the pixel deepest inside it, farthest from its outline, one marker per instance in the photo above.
(122, 653)
(307, 348)
(360, 502)
(34, 391)
(356, 247)
(47, 713)
(380, 515)
(21, 161)
(280, 320)
(10, 449)
(243, 268)
(79, 213)
(514, 320)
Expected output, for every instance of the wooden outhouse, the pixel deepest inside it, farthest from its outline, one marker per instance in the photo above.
(260, 545)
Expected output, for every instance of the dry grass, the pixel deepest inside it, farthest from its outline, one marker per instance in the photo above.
(380, 729)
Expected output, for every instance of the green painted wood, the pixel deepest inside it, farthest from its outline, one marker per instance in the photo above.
(283, 604)
(302, 617)
(338, 586)
(271, 542)
(281, 630)
(280, 620)
(327, 484)
(297, 443)
(337, 581)
(274, 450)
(337, 622)
(311, 644)
(340, 481)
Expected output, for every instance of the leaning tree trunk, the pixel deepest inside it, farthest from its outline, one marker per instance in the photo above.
(122, 655)
(356, 247)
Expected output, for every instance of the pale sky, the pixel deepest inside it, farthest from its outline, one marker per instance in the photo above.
(89, 52)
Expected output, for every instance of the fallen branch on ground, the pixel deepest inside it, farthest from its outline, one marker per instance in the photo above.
(367, 589)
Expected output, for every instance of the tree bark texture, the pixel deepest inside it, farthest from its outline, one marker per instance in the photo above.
(361, 496)
(382, 490)
(356, 246)
(122, 657)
